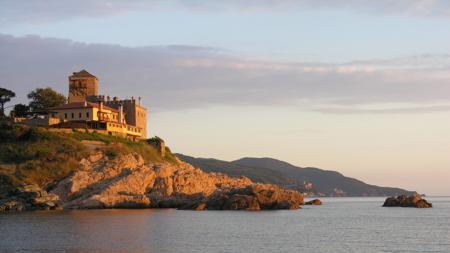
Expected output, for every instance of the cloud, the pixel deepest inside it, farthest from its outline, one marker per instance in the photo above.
(40, 11)
(397, 7)
(181, 77)
(394, 109)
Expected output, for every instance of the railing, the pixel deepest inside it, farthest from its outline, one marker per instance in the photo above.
(124, 129)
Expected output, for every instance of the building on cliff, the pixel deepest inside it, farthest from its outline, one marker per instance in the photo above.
(86, 109)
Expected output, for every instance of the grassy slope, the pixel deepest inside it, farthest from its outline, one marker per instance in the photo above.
(30, 155)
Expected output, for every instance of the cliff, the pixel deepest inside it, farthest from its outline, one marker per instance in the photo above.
(114, 173)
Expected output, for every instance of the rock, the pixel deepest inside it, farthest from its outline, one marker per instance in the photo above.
(29, 198)
(29, 188)
(241, 202)
(255, 197)
(314, 202)
(201, 206)
(12, 205)
(126, 181)
(407, 201)
(423, 204)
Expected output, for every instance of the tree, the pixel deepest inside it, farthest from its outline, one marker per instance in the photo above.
(5, 96)
(20, 110)
(44, 98)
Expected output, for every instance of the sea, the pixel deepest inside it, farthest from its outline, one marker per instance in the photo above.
(339, 225)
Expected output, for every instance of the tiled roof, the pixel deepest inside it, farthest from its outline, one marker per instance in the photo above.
(82, 73)
(79, 105)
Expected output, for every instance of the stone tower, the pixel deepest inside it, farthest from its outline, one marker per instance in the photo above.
(82, 85)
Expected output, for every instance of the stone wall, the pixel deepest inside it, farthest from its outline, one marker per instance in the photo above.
(81, 87)
(135, 114)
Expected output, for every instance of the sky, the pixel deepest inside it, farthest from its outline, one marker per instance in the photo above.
(357, 86)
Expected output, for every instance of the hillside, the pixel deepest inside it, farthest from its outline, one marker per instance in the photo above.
(31, 155)
(47, 169)
(268, 170)
(263, 175)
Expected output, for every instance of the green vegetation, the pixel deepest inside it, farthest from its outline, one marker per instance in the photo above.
(36, 155)
(118, 146)
(155, 139)
(5, 97)
(170, 157)
(44, 98)
(41, 100)
(33, 155)
(20, 110)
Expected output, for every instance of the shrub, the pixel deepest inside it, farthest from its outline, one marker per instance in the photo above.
(41, 156)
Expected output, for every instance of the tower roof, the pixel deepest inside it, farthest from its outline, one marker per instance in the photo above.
(83, 73)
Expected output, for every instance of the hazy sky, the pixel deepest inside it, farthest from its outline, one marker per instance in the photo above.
(358, 86)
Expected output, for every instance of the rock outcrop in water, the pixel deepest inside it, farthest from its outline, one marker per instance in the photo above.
(28, 197)
(314, 202)
(407, 201)
(251, 197)
(128, 182)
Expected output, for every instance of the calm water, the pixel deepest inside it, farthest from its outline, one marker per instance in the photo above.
(340, 225)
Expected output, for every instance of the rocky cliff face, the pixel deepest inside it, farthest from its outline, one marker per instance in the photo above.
(128, 182)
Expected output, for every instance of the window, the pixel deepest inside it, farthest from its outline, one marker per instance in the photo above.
(73, 115)
(65, 115)
(79, 115)
(87, 115)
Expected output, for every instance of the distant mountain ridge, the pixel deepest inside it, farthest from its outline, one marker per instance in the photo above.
(313, 181)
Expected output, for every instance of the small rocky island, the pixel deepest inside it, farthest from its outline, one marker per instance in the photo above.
(407, 201)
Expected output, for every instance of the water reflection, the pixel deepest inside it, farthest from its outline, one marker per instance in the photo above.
(340, 225)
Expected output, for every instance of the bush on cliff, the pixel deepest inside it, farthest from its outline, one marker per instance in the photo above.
(39, 156)
(117, 146)
(31, 155)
